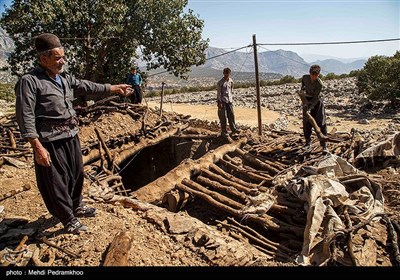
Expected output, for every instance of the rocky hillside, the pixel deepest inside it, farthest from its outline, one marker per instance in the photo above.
(6, 46)
(341, 98)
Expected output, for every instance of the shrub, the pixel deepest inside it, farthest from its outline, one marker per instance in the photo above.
(379, 78)
(7, 92)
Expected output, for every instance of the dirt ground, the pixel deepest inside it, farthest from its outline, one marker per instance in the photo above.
(249, 117)
(152, 244)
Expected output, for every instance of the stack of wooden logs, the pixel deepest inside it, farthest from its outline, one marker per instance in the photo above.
(232, 185)
(12, 145)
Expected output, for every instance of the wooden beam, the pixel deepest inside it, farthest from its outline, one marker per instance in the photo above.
(118, 251)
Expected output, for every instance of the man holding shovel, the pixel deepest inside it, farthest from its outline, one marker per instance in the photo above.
(313, 108)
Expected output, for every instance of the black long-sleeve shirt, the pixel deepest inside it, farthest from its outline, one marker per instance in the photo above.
(39, 99)
(312, 89)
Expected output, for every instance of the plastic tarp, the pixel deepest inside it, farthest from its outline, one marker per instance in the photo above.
(326, 198)
(388, 148)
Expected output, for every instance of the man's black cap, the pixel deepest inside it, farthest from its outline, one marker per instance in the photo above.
(47, 41)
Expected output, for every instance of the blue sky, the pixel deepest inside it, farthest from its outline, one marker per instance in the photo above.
(230, 24)
(4, 2)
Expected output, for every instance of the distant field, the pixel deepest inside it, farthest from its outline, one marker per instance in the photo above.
(201, 72)
(200, 76)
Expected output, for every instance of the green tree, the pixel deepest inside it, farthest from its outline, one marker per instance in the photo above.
(380, 78)
(101, 37)
(354, 73)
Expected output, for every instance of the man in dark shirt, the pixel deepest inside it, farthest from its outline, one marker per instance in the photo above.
(47, 119)
(311, 87)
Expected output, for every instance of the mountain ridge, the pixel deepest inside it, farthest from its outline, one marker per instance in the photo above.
(310, 57)
(280, 61)
(271, 63)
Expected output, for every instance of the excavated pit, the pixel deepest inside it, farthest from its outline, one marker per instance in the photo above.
(155, 161)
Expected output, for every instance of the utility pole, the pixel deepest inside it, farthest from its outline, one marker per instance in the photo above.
(162, 97)
(257, 86)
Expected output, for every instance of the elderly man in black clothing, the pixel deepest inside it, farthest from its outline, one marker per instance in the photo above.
(47, 119)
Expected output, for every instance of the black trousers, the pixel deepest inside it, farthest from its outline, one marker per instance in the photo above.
(226, 110)
(61, 183)
(318, 113)
(136, 97)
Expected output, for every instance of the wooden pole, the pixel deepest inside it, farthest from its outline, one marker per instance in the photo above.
(162, 97)
(257, 85)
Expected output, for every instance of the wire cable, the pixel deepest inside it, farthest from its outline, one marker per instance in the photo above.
(330, 43)
(248, 52)
(155, 74)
